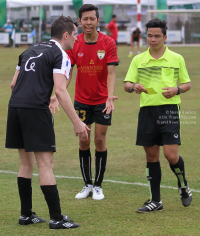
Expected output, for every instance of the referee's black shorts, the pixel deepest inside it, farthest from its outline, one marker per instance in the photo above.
(158, 125)
(30, 129)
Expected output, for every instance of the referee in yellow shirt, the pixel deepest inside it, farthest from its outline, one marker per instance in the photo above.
(154, 75)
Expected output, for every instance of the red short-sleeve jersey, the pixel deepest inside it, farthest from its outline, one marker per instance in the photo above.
(112, 26)
(92, 61)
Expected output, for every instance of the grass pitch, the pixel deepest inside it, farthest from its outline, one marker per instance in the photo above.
(115, 215)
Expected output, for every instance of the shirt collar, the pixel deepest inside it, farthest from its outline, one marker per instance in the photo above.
(164, 56)
(57, 43)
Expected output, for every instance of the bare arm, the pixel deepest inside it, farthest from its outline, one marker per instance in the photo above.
(172, 91)
(14, 80)
(65, 101)
(111, 80)
(54, 103)
(111, 87)
(70, 77)
(130, 87)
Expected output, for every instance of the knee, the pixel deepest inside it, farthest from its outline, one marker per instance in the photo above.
(171, 157)
(27, 166)
(99, 142)
(46, 164)
(152, 158)
(84, 144)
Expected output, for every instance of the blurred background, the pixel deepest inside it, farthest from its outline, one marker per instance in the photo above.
(26, 22)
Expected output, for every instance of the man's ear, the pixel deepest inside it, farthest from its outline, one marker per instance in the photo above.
(79, 21)
(66, 35)
(98, 20)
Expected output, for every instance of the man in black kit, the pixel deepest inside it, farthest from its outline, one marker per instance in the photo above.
(30, 123)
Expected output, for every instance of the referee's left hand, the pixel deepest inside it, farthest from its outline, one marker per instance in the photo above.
(109, 105)
(171, 92)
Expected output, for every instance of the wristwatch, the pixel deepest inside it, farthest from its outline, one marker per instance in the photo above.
(130, 90)
(179, 91)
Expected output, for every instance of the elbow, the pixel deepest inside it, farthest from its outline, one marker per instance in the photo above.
(126, 87)
(58, 92)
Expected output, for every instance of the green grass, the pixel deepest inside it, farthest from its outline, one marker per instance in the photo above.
(115, 215)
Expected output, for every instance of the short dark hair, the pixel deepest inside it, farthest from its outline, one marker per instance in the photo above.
(157, 23)
(88, 7)
(61, 25)
(113, 16)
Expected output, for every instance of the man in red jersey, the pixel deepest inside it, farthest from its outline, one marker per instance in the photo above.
(112, 27)
(95, 55)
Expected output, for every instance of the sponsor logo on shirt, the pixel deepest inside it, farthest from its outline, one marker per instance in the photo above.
(32, 65)
(101, 54)
(80, 54)
(91, 70)
(175, 135)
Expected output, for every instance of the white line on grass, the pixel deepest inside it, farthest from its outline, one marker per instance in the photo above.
(110, 181)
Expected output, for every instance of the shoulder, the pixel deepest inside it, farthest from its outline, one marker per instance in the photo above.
(105, 38)
(140, 60)
(79, 38)
(141, 56)
(174, 55)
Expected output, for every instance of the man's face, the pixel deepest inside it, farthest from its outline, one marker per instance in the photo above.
(89, 21)
(155, 38)
(71, 39)
(115, 19)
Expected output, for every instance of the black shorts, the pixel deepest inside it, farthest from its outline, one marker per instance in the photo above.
(30, 129)
(92, 113)
(158, 125)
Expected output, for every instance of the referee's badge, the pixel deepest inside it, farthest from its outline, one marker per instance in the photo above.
(101, 54)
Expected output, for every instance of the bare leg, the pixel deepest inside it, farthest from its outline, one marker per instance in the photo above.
(45, 161)
(27, 160)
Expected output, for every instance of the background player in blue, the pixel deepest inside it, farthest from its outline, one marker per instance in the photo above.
(30, 123)
(8, 27)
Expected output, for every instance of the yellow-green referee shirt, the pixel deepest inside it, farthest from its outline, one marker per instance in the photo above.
(158, 74)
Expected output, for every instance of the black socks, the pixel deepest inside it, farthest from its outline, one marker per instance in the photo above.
(153, 173)
(25, 193)
(100, 167)
(85, 164)
(179, 171)
(52, 198)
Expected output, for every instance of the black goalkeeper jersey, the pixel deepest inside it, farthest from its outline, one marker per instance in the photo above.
(35, 81)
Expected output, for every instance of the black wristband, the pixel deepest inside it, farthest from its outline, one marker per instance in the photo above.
(179, 91)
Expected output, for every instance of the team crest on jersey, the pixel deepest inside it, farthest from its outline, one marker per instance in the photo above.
(91, 62)
(101, 54)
